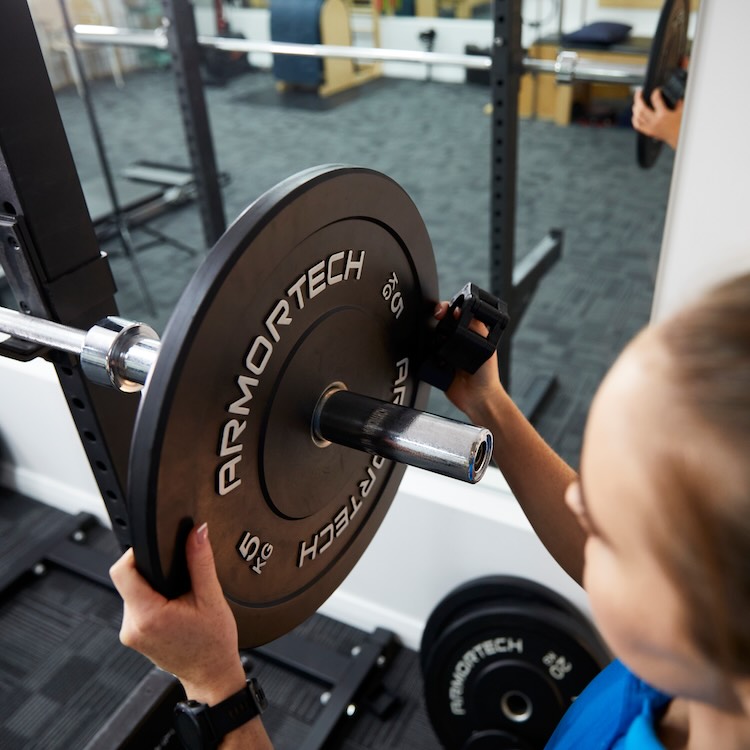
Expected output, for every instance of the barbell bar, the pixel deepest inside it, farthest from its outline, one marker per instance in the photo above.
(120, 354)
(568, 67)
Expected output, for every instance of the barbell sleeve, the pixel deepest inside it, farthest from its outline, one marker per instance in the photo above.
(569, 67)
(408, 436)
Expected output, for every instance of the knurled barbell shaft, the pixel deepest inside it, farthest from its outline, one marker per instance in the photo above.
(120, 353)
(42, 332)
(566, 68)
(157, 38)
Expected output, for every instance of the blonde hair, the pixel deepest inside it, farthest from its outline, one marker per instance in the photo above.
(708, 347)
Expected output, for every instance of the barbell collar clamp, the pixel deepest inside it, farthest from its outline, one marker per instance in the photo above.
(565, 66)
(119, 353)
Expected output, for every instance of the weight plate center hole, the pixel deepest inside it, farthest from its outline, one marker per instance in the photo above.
(483, 455)
(516, 706)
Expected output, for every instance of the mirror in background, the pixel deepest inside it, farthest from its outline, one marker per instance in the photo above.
(433, 137)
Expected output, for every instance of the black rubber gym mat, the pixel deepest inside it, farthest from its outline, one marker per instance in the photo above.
(62, 667)
(64, 673)
(406, 727)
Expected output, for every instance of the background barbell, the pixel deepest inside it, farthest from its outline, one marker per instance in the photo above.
(568, 66)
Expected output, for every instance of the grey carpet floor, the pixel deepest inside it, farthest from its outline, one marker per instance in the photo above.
(434, 139)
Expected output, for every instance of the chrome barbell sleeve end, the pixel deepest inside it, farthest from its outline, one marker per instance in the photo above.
(399, 433)
(119, 353)
(480, 456)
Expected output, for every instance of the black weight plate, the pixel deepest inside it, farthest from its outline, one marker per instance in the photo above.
(513, 669)
(484, 591)
(288, 301)
(667, 51)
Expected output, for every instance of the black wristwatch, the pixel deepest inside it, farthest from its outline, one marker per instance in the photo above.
(202, 727)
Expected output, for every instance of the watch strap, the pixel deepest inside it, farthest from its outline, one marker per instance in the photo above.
(237, 710)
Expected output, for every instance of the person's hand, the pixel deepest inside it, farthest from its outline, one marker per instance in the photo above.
(660, 122)
(472, 393)
(195, 636)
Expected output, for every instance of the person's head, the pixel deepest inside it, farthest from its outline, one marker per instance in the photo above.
(665, 479)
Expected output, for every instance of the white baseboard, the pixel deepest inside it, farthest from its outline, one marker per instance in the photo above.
(72, 499)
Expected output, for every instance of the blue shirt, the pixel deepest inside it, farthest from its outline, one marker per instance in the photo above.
(617, 711)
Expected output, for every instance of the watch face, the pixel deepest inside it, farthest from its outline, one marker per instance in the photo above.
(187, 726)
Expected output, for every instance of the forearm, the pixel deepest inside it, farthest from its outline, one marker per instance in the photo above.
(538, 478)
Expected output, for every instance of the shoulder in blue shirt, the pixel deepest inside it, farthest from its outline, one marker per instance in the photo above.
(615, 712)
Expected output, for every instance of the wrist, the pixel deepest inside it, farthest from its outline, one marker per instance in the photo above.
(201, 726)
(490, 410)
(220, 685)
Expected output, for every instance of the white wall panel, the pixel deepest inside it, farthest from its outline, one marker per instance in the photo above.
(707, 228)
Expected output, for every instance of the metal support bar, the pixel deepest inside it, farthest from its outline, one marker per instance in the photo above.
(504, 82)
(183, 45)
(530, 270)
(527, 274)
(347, 689)
(101, 152)
(513, 284)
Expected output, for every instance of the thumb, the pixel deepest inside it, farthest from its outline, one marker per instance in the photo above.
(657, 100)
(201, 565)
(441, 309)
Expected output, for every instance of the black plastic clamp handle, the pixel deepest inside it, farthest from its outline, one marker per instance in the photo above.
(674, 88)
(454, 345)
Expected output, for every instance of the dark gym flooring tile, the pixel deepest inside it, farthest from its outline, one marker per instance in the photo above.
(434, 139)
(62, 668)
(65, 677)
